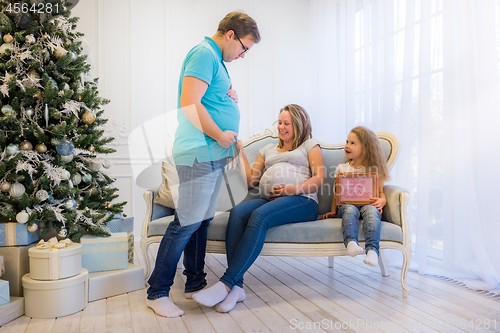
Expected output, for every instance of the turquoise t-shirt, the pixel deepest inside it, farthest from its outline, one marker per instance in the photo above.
(204, 62)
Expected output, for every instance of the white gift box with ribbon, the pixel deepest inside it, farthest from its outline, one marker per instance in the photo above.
(54, 260)
(50, 299)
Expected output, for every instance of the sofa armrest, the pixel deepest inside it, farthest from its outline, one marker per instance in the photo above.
(395, 208)
(153, 210)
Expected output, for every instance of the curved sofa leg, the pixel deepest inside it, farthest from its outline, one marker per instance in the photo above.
(404, 270)
(148, 269)
(382, 264)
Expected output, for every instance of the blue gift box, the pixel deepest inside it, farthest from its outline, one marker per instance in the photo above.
(13, 234)
(120, 224)
(105, 253)
(4, 292)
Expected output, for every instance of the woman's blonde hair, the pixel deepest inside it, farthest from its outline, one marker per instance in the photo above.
(372, 151)
(301, 125)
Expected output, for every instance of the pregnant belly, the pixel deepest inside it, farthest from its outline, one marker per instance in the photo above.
(279, 175)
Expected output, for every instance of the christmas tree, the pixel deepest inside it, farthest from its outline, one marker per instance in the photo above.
(51, 129)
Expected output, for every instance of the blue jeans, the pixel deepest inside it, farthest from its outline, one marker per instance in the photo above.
(199, 186)
(247, 227)
(371, 225)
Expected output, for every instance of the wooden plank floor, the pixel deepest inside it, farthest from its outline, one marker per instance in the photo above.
(287, 294)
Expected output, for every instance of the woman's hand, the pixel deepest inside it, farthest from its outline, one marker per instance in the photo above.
(379, 203)
(232, 93)
(281, 191)
(239, 145)
(328, 215)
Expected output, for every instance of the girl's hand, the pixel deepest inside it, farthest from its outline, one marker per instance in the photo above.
(281, 191)
(232, 93)
(379, 203)
(328, 215)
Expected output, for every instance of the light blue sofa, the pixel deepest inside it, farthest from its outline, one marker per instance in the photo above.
(322, 238)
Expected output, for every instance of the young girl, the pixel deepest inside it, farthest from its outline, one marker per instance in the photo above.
(364, 154)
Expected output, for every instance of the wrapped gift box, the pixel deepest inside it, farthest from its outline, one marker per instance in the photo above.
(4, 292)
(105, 253)
(17, 264)
(14, 234)
(123, 224)
(12, 310)
(120, 224)
(55, 264)
(112, 283)
(50, 299)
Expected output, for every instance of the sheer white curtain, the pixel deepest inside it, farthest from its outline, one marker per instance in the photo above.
(428, 71)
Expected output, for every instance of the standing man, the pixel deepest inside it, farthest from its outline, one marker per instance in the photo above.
(208, 127)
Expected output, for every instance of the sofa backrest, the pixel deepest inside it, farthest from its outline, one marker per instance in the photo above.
(333, 155)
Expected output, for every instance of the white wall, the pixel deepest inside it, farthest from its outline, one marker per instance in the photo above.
(137, 48)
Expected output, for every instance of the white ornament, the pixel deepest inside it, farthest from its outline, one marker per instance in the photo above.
(22, 217)
(5, 47)
(76, 179)
(95, 165)
(17, 190)
(66, 158)
(42, 195)
(65, 175)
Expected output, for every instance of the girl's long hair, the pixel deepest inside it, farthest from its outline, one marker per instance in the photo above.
(373, 157)
(302, 129)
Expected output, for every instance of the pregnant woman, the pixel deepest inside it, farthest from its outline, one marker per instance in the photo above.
(289, 175)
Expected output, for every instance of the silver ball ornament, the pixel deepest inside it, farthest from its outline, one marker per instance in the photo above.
(12, 149)
(70, 204)
(63, 233)
(29, 112)
(33, 227)
(42, 195)
(30, 39)
(22, 217)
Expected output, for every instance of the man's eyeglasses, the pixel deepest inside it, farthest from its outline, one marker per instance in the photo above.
(245, 50)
